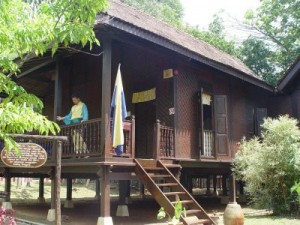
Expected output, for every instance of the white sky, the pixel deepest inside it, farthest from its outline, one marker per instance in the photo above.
(200, 12)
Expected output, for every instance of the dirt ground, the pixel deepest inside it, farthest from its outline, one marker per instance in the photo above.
(86, 212)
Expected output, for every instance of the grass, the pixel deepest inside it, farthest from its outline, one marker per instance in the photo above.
(81, 190)
(272, 220)
(25, 193)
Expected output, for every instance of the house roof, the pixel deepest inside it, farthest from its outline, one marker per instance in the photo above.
(135, 22)
(289, 76)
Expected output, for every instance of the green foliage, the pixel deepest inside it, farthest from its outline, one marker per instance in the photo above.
(296, 189)
(270, 166)
(215, 39)
(278, 24)
(28, 29)
(258, 57)
(179, 211)
(169, 11)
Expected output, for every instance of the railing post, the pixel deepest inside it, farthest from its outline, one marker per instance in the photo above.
(156, 142)
(132, 137)
(107, 144)
(57, 179)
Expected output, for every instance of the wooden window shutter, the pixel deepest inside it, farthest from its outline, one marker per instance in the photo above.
(221, 126)
(261, 114)
(250, 120)
(200, 122)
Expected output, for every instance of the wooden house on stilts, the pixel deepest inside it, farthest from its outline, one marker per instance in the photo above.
(188, 105)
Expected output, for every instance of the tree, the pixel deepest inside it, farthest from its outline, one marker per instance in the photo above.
(269, 166)
(29, 29)
(258, 57)
(169, 11)
(277, 24)
(214, 36)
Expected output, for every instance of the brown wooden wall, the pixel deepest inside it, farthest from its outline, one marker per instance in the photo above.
(242, 98)
(142, 69)
(287, 102)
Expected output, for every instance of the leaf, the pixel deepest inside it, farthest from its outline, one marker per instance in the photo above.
(161, 213)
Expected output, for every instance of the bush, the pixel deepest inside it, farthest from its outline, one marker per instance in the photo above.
(7, 217)
(270, 165)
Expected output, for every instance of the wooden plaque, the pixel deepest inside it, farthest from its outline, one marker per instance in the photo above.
(31, 156)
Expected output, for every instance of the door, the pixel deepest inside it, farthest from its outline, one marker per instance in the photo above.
(145, 114)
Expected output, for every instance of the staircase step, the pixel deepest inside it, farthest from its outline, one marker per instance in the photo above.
(193, 211)
(160, 181)
(160, 175)
(194, 220)
(174, 193)
(167, 184)
(153, 168)
(184, 202)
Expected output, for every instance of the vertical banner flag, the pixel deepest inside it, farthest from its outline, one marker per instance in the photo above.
(118, 113)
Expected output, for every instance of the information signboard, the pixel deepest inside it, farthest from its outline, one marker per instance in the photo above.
(30, 155)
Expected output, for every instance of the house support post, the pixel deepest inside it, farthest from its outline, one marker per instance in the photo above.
(41, 198)
(156, 141)
(58, 88)
(7, 204)
(105, 218)
(208, 185)
(51, 211)
(224, 198)
(97, 196)
(132, 137)
(69, 203)
(124, 194)
(215, 185)
(106, 96)
(54, 214)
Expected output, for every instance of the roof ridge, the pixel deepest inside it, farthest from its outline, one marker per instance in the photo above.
(150, 24)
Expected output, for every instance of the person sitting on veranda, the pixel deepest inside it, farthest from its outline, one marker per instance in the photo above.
(78, 114)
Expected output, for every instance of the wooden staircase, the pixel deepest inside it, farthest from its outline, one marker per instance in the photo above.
(167, 190)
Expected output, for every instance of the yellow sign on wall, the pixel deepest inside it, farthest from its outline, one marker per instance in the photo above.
(144, 96)
(168, 73)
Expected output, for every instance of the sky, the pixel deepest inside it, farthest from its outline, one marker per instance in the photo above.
(200, 12)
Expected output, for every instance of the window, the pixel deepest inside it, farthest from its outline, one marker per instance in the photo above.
(212, 124)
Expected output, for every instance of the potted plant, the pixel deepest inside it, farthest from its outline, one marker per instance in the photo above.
(178, 211)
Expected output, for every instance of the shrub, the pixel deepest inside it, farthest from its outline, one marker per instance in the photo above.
(270, 165)
(7, 217)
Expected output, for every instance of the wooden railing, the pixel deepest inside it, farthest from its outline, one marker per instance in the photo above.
(85, 138)
(163, 142)
(208, 142)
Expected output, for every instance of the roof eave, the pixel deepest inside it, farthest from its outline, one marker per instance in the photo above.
(289, 76)
(154, 38)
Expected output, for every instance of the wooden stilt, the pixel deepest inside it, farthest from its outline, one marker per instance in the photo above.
(7, 185)
(124, 192)
(41, 198)
(224, 184)
(57, 180)
(105, 218)
(105, 192)
(215, 184)
(69, 188)
(68, 203)
(208, 185)
(97, 188)
(7, 204)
